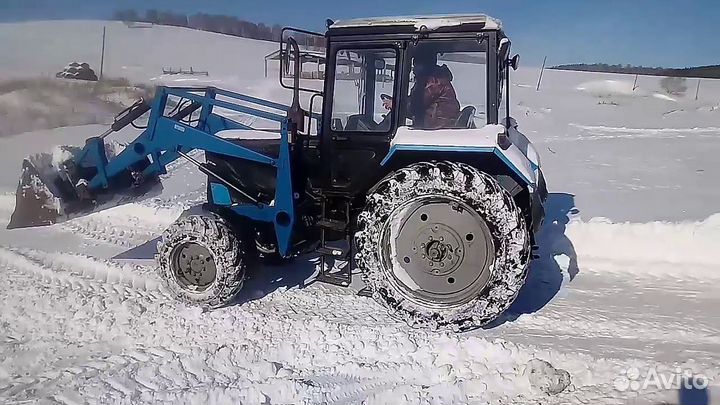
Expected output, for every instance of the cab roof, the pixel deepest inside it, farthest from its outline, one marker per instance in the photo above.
(408, 24)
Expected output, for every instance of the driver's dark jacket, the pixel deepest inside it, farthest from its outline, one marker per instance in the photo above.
(433, 102)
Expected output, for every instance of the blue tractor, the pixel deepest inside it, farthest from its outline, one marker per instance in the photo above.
(437, 212)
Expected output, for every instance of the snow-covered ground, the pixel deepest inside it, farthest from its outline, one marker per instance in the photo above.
(625, 290)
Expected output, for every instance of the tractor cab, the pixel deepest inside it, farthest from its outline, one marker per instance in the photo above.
(390, 75)
(383, 77)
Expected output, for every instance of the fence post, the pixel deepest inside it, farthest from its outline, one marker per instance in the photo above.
(697, 90)
(102, 54)
(635, 83)
(542, 70)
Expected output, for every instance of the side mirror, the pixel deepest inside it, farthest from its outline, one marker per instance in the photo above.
(504, 48)
(514, 62)
(380, 64)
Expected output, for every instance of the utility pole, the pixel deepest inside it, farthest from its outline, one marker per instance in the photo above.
(542, 70)
(102, 54)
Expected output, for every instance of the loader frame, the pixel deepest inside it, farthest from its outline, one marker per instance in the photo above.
(167, 139)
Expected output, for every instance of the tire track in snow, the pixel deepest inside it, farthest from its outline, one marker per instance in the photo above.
(100, 229)
(133, 224)
(601, 133)
(568, 321)
(608, 281)
(127, 226)
(164, 376)
(269, 349)
(347, 334)
(656, 249)
(82, 272)
(278, 355)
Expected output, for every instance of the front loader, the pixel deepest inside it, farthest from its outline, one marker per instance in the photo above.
(438, 218)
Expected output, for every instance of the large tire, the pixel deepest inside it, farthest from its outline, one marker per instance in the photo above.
(201, 260)
(484, 270)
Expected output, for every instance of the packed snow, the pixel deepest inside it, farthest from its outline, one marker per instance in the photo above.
(431, 23)
(623, 296)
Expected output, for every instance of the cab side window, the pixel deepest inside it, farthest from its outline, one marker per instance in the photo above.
(364, 85)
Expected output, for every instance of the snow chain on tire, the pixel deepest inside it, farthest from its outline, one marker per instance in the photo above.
(228, 252)
(481, 192)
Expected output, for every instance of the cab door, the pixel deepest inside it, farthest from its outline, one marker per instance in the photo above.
(357, 124)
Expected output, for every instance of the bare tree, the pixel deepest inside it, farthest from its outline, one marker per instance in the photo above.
(126, 15)
(224, 24)
(151, 16)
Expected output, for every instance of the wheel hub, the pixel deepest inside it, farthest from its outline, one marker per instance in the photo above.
(194, 266)
(436, 251)
(442, 248)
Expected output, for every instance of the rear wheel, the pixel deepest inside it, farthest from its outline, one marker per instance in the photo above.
(443, 245)
(201, 260)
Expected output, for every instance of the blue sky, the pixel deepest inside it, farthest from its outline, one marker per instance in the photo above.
(671, 33)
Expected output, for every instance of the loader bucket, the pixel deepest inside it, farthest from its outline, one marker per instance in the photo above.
(52, 189)
(35, 203)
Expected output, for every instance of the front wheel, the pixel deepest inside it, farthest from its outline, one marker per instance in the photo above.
(443, 245)
(202, 260)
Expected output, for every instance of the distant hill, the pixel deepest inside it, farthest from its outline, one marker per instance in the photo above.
(710, 72)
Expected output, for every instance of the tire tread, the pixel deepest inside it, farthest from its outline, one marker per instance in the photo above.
(482, 192)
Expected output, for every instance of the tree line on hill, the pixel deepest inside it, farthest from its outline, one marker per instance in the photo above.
(222, 24)
(710, 72)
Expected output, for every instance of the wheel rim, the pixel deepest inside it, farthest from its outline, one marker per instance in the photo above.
(194, 267)
(438, 250)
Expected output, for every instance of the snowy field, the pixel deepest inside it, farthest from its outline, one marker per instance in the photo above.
(625, 293)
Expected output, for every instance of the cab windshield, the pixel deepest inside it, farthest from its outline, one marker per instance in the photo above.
(447, 85)
(446, 89)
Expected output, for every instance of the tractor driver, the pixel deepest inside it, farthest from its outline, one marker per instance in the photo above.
(432, 103)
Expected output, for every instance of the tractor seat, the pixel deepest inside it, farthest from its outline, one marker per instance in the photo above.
(465, 119)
